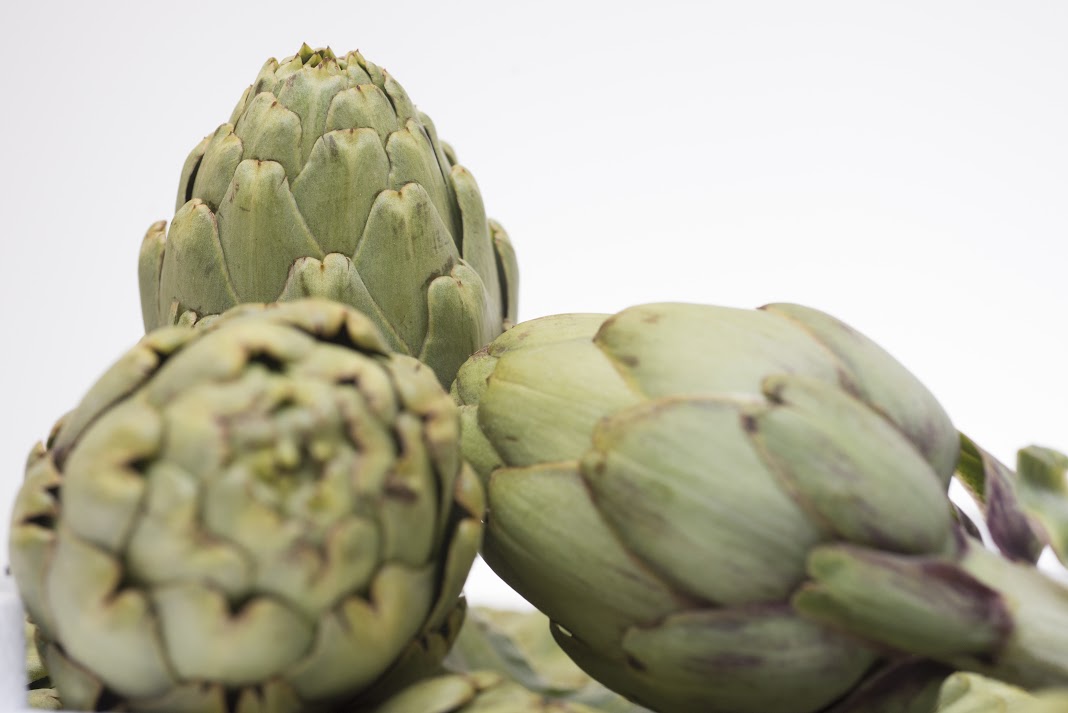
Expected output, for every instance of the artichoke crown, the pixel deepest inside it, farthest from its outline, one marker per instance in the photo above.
(266, 512)
(328, 182)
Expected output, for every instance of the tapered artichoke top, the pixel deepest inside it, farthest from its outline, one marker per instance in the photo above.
(327, 181)
(260, 514)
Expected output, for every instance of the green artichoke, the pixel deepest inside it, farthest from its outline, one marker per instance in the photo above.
(519, 646)
(707, 503)
(266, 513)
(328, 182)
(478, 692)
(969, 693)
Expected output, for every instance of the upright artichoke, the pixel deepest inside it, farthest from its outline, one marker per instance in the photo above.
(328, 182)
(265, 513)
(737, 511)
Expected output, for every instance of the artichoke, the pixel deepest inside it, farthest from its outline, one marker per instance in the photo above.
(740, 511)
(328, 182)
(519, 646)
(507, 662)
(268, 512)
(477, 692)
(969, 693)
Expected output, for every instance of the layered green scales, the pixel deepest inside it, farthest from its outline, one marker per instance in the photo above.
(268, 512)
(739, 511)
(328, 182)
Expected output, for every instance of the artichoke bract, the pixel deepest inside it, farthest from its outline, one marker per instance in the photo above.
(519, 646)
(737, 511)
(267, 512)
(328, 182)
(969, 693)
(476, 692)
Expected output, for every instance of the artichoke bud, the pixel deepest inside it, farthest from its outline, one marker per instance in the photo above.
(328, 182)
(698, 455)
(971, 693)
(268, 511)
(477, 691)
(519, 645)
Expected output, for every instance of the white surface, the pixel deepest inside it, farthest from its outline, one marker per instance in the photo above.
(12, 649)
(900, 165)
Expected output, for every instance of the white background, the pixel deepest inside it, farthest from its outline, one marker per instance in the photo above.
(901, 165)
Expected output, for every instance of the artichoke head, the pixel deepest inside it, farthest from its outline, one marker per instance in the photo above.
(658, 480)
(327, 182)
(268, 512)
(476, 692)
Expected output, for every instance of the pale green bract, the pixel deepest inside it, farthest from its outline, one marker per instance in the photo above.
(268, 512)
(969, 693)
(519, 645)
(476, 692)
(741, 511)
(507, 662)
(328, 182)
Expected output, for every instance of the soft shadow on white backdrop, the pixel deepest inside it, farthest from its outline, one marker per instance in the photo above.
(903, 166)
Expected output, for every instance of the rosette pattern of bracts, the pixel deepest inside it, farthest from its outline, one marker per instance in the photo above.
(328, 182)
(266, 512)
(740, 511)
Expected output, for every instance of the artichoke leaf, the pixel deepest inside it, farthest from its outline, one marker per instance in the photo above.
(259, 217)
(195, 268)
(752, 659)
(336, 278)
(270, 132)
(224, 152)
(363, 106)
(412, 159)
(658, 349)
(346, 171)
(507, 274)
(457, 320)
(309, 94)
(884, 383)
(403, 248)
(149, 267)
(678, 481)
(850, 467)
(524, 525)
